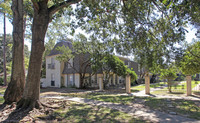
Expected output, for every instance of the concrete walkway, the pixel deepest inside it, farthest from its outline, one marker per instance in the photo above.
(135, 110)
(184, 97)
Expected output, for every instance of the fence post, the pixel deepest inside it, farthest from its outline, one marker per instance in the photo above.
(128, 84)
(147, 84)
(189, 88)
(100, 83)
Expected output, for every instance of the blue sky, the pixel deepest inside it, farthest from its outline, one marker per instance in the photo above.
(189, 36)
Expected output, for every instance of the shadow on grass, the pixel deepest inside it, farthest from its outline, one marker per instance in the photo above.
(197, 93)
(177, 93)
(16, 116)
(196, 96)
(82, 113)
(134, 91)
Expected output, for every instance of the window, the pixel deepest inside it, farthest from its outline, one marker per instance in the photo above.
(70, 63)
(52, 60)
(52, 65)
(52, 79)
(71, 79)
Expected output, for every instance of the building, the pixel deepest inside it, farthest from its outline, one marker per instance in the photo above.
(60, 74)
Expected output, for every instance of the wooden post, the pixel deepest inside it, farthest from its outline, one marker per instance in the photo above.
(100, 83)
(128, 84)
(147, 84)
(189, 88)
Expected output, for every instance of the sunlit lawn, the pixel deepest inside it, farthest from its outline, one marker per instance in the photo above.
(179, 89)
(192, 109)
(83, 113)
(138, 88)
(142, 86)
(2, 90)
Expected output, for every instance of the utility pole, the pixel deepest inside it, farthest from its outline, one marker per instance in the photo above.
(4, 51)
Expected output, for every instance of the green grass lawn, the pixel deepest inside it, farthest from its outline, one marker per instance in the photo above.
(138, 88)
(1, 100)
(142, 86)
(179, 89)
(2, 90)
(184, 107)
(191, 110)
(84, 113)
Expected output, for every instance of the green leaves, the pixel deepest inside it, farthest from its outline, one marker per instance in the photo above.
(66, 54)
(168, 73)
(190, 62)
(114, 64)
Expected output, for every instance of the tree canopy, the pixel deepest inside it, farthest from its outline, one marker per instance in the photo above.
(190, 61)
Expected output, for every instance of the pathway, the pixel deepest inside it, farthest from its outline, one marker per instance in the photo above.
(135, 110)
(196, 88)
(142, 93)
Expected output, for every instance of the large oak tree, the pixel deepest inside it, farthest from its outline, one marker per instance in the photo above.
(16, 86)
(43, 12)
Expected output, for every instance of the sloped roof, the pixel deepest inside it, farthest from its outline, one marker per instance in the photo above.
(59, 44)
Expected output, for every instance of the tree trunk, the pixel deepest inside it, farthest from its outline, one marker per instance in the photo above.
(15, 88)
(4, 50)
(31, 93)
(169, 83)
(81, 82)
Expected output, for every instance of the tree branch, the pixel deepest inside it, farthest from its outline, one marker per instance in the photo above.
(53, 9)
(35, 4)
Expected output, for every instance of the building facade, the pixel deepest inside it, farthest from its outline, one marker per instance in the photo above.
(60, 74)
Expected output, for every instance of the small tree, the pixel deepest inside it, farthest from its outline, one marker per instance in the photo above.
(89, 51)
(170, 75)
(112, 64)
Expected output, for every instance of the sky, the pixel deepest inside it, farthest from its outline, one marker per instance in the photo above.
(189, 36)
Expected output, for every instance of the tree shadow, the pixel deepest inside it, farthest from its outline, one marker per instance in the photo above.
(198, 97)
(16, 116)
(178, 93)
(83, 113)
(2, 106)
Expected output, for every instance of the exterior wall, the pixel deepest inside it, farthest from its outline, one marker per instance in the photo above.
(55, 71)
(43, 81)
(68, 82)
(66, 79)
(94, 82)
(77, 80)
(77, 62)
(98, 76)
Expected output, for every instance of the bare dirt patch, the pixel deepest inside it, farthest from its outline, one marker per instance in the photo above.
(10, 114)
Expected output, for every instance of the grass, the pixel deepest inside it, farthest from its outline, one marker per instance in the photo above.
(138, 88)
(182, 107)
(142, 86)
(155, 85)
(76, 112)
(103, 97)
(1, 100)
(2, 90)
(180, 89)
